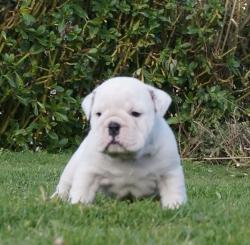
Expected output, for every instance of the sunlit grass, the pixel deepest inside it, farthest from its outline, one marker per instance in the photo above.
(218, 211)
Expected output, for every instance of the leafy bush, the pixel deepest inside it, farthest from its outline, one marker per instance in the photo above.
(54, 53)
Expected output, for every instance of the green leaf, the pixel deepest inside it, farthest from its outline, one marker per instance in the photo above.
(63, 141)
(35, 109)
(53, 136)
(3, 34)
(186, 45)
(93, 51)
(28, 19)
(173, 120)
(61, 117)
(20, 132)
(61, 27)
(9, 58)
(79, 11)
(24, 101)
(41, 29)
(41, 106)
(36, 48)
(59, 89)
(11, 81)
(19, 79)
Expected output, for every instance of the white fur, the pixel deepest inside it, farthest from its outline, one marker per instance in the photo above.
(146, 160)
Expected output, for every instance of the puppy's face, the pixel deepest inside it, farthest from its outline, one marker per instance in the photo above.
(122, 113)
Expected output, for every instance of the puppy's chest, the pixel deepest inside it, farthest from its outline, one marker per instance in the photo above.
(129, 182)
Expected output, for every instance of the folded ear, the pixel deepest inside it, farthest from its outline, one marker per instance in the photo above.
(87, 104)
(161, 100)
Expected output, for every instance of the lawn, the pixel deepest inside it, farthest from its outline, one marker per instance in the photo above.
(218, 211)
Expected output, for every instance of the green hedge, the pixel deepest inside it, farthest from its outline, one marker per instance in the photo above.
(54, 52)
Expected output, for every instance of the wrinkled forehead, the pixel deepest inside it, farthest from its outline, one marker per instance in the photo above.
(122, 95)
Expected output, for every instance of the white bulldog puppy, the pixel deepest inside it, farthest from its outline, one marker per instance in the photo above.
(130, 149)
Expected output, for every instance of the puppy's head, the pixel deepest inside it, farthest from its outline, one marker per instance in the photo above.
(122, 112)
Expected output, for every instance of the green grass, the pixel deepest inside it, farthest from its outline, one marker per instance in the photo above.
(218, 211)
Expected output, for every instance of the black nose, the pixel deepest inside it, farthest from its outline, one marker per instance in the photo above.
(114, 128)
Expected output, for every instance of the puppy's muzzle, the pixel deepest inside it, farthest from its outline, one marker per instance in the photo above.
(114, 129)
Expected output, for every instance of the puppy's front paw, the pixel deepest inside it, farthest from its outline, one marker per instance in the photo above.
(62, 192)
(173, 202)
(77, 196)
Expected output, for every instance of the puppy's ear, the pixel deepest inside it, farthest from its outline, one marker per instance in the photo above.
(87, 104)
(161, 100)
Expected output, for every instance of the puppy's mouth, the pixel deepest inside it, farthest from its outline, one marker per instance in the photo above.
(117, 150)
(114, 142)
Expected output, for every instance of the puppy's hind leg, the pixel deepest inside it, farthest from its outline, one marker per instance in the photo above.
(66, 179)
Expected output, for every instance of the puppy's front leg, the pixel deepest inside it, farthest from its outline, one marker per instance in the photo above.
(66, 179)
(172, 189)
(84, 187)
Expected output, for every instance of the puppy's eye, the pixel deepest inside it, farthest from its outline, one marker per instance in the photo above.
(98, 114)
(135, 114)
